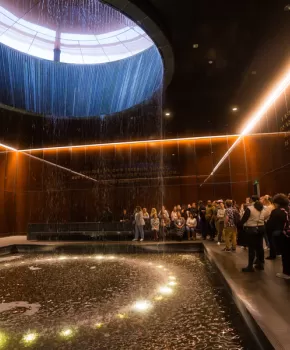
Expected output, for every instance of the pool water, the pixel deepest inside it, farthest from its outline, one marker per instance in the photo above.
(140, 301)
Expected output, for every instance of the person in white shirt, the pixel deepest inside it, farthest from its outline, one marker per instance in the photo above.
(191, 224)
(139, 224)
(220, 221)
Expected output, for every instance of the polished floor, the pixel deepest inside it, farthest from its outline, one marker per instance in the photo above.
(266, 297)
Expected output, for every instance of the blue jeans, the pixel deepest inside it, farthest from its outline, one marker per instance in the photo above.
(139, 229)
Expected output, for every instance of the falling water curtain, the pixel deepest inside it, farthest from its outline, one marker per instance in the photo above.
(65, 90)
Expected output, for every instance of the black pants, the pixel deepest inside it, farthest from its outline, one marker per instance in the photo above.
(255, 245)
(285, 254)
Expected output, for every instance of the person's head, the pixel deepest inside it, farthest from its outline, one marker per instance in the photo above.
(163, 208)
(266, 200)
(154, 216)
(193, 205)
(209, 203)
(179, 214)
(200, 203)
(257, 203)
(188, 206)
(221, 204)
(178, 207)
(281, 201)
(191, 216)
(174, 208)
(138, 209)
(124, 211)
(229, 203)
(153, 212)
(144, 210)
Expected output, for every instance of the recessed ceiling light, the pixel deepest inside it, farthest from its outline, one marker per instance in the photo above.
(235, 109)
(210, 62)
(167, 114)
(287, 7)
(195, 46)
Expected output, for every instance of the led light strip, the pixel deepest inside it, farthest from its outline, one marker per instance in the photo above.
(143, 142)
(276, 93)
(49, 163)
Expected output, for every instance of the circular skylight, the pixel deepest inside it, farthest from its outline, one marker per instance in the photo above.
(78, 31)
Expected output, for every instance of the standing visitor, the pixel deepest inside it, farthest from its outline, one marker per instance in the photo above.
(194, 210)
(139, 224)
(164, 222)
(209, 216)
(269, 207)
(202, 222)
(179, 226)
(155, 226)
(230, 228)
(275, 228)
(191, 224)
(253, 221)
(220, 221)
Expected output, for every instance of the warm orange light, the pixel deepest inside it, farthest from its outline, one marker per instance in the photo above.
(256, 117)
(143, 142)
(49, 163)
(130, 143)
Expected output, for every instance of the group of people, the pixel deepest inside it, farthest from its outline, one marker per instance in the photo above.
(249, 225)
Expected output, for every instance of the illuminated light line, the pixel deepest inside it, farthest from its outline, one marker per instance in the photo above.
(49, 163)
(276, 93)
(143, 142)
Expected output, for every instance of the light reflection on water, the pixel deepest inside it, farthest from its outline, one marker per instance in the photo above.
(116, 302)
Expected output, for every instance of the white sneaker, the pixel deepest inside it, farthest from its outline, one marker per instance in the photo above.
(218, 243)
(141, 240)
(134, 240)
(283, 275)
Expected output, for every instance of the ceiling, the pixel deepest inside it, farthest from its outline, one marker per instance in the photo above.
(245, 42)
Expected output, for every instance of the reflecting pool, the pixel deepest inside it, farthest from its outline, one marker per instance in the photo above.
(142, 301)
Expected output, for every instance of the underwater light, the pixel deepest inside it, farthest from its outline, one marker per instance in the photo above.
(3, 340)
(158, 298)
(99, 325)
(172, 278)
(172, 283)
(29, 338)
(121, 316)
(165, 290)
(66, 333)
(142, 305)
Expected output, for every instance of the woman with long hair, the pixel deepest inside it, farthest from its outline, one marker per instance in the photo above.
(155, 226)
(254, 226)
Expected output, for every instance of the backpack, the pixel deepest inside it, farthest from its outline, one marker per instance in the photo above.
(286, 230)
(237, 217)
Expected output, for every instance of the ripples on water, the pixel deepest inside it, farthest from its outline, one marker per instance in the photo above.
(86, 303)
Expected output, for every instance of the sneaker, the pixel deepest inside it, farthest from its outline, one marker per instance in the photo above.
(218, 243)
(135, 240)
(141, 240)
(248, 269)
(226, 250)
(283, 275)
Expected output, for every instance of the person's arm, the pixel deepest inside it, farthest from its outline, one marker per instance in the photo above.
(246, 216)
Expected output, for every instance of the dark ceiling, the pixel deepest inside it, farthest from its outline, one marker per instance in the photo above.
(248, 43)
(238, 37)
